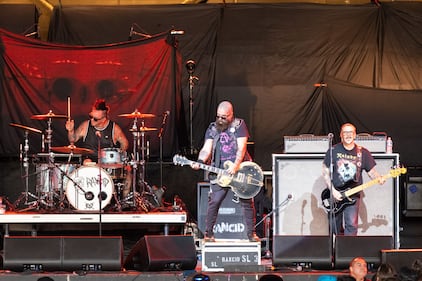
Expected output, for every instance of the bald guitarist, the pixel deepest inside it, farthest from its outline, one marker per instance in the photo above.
(348, 160)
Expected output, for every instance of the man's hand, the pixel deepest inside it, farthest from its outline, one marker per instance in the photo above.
(336, 194)
(70, 125)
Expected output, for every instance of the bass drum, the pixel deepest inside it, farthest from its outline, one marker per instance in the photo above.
(83, 189)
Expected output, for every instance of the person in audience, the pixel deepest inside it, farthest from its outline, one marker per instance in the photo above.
(358, 269)
(384, 272)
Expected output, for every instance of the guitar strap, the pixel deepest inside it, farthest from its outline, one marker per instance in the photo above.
(358, 163)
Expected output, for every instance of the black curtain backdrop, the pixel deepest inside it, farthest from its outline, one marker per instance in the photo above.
(266, 58)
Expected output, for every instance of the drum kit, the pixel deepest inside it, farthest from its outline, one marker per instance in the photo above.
(62, 180)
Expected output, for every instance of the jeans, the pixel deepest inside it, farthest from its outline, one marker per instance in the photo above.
(350, 217)
(215, 199)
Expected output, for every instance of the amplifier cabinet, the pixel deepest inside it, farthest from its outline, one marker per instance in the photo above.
(230, 223)
(298, 210)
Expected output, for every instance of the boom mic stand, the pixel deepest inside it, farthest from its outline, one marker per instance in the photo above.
(160, 136)
(190, 66)
(100, 194)
(266, 218)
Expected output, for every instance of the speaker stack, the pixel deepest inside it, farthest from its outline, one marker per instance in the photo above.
(69, 253)
(300, 222)
(98, 253)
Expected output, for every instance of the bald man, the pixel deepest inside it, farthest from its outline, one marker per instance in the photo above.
(226, 139)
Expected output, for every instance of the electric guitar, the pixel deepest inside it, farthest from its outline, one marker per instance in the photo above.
(246, 183)
(338, 206)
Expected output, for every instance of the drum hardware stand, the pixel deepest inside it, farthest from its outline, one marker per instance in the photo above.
(25, 159)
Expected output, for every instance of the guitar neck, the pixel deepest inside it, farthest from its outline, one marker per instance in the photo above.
(207, 167)
(361, 187)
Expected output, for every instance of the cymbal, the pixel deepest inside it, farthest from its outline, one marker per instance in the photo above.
(26, 128)
(72, 149)
(143, 129)
(50, 114)
(137, 114)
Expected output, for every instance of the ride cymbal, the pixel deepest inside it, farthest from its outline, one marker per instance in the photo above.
(26, 128)
(49, 115)
(137, 114)
(72, 149)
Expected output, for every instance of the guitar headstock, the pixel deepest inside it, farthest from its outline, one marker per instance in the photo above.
(180, 160)
(398, 171)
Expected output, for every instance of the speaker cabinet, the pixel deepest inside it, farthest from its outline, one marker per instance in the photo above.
(230, 224)
(369, 247)
(47, 253)
(92, 253)
(25, 253)
(305, 251)
(401, 258)
(157, 252)
(298, 210)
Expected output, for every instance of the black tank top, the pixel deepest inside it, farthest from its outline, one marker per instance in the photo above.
(91, 139)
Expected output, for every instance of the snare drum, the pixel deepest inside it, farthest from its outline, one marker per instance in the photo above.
(83, 189)
(111, 158)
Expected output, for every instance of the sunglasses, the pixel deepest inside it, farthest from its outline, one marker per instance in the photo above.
(93, 118)
(221, 117)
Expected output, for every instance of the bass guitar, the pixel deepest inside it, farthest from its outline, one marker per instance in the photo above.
(338, 206)
(246, 183)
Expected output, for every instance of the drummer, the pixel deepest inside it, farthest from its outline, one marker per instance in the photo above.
(98, 127)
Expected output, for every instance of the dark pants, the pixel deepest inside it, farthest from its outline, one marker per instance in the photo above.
(215, 199)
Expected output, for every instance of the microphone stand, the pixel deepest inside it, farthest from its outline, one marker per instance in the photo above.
(267, 218)
(331, 220)
(160, 136)
(100, 196)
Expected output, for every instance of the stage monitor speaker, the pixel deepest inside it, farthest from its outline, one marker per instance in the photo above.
(308, 252)
(96, 253)
(369, 247)
(401, 258)
(157, 252)
(25, 253)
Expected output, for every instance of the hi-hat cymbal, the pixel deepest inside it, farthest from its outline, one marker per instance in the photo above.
(137, 114)
(72, 149)
(49, 115)
(143, 129)
(26, 128)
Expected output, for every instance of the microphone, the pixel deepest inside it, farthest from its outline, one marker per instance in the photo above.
(165, 115)
(320, 85)
(290, 197)
(331, 135)
(177, 32)
(98, 134)
(130, 33)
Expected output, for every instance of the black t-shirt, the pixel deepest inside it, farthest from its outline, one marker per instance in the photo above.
(346, 173)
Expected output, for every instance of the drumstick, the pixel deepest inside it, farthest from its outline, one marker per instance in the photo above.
(68, 108)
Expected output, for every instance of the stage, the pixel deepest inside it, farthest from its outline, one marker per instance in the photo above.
(40, 221)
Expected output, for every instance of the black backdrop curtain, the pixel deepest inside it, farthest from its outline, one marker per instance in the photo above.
(266, 58)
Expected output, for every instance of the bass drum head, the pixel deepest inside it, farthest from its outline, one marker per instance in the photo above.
(83, 189)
